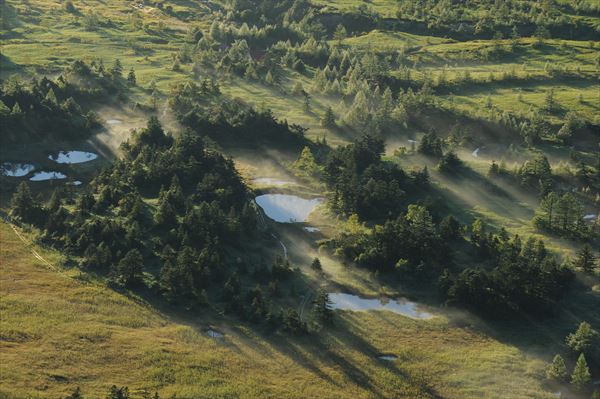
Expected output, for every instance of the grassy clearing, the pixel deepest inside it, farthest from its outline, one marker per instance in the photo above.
(61, 331)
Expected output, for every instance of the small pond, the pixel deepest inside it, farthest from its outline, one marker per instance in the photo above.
(285, 208)
(16, 169)
(312, 229)
(388, 358)
(42, 176)
(475, 153)
(114, 121)
(214, 334)
(72, 157)
(401, 306)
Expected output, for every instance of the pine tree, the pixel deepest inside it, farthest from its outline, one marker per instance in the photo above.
(585, 259)
(557, 370)
(322, 307)
(581, 373)
(117, 69)
(131, 79)
(328, 119)
(316, 264)
(340, 33)
(130, 268)
(584, 339)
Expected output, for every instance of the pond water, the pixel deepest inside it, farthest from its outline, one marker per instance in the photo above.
(475, 153)
(285, 208)
(114, 121)
(269, 181)
(401, 306)
(72, 157)
(312, 229)
(589, 217)
(214, 334)
(389, 358)
(41, 176)
(76, 183)
(16, 169)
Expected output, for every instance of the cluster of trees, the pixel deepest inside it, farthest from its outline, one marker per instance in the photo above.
(490, 18)
(226, 120)
(516, 277)
(43, 105)
(411, 244)
(168, 215)
(362, 183)
(563, 215)
(585, 341)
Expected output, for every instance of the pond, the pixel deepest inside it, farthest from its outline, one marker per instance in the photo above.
(42, 176)
(214, 334)
(388, 358)
(16, 169)
(285, 208)
(72, 157)
(401, 306)
(312, 229)
(114, 121)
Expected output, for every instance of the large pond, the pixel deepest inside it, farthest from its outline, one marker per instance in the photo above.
(401, 306)
(42, 176)
(285, 208)
(16, 169)
(72, 157)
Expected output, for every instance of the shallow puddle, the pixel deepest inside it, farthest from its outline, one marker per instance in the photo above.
(285, 208)
(214, 334)
(401, 306)
(42, 176)
(312, 229)
(16, 169)
(72, 157)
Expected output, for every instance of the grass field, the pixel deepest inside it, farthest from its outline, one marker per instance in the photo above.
(60, 330)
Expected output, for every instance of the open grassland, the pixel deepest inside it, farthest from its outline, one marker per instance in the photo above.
(60, 330)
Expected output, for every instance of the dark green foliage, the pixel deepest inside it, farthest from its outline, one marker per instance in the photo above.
(322, 307)
(43, 106)
(362, 183)
(522, 277)
(25, 208)
(431, 145)
(129, 269)
(450, 163)
(585, 260)
(562, 215)
(409, 244)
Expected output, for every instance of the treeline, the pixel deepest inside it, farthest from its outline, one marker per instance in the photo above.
(42, 109)
(50, 109)
(512, 277)
(201, 108)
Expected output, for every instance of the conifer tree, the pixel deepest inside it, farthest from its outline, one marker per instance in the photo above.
(131, 79)
(581, 373)
(557, 370)
(328, 119)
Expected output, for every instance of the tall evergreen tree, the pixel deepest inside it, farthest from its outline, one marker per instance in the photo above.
(581, 376)
(557, 370)
(585, 259)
